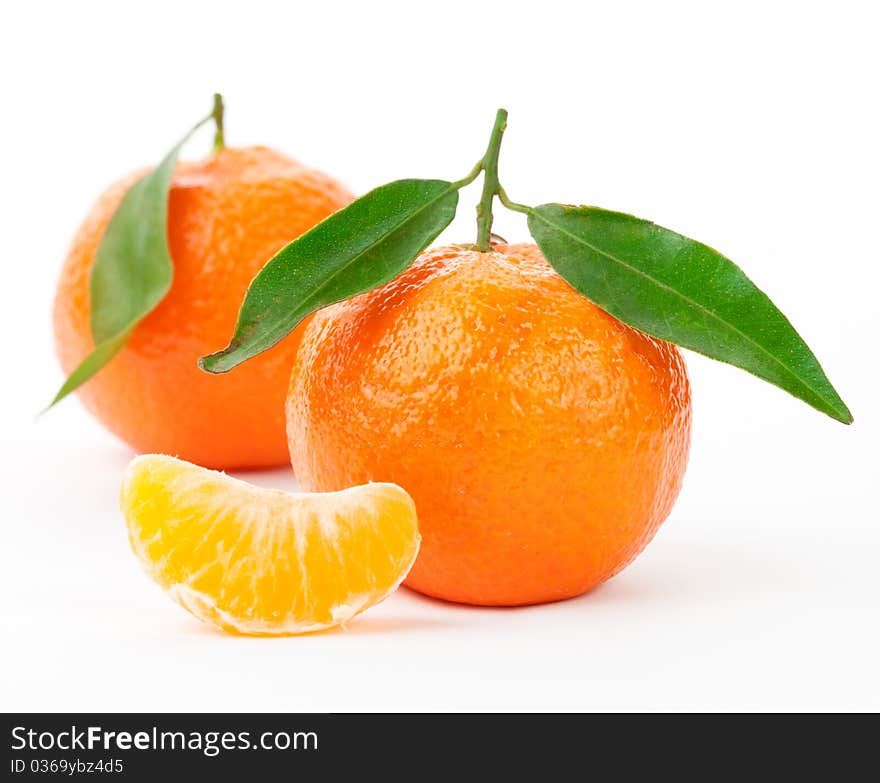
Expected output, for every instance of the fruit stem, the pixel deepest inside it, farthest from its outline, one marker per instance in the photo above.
(217, 114)
(491, 186)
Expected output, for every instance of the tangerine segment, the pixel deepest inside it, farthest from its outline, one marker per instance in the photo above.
(258, 561)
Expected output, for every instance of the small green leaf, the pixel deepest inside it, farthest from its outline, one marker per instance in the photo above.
(362, 246)
(132, 270)
(683, 292)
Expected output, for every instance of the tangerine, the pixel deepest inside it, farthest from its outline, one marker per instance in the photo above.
(226, 216)
(542, 440)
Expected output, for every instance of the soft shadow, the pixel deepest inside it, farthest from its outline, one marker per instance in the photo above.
(475, 608)
(629, 589)
(359, 626)
(269, 478)
(365, 626)
(441, 603)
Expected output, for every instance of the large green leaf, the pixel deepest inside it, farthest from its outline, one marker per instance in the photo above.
(132, 271)
(362, 246)
(681, 291)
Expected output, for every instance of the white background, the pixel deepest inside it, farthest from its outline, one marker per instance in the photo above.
(751, 127)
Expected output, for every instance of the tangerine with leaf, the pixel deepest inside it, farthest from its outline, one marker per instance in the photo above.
(532, 399)
(153, 279)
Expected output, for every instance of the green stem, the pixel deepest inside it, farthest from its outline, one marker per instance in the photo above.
(491, 186)
(512, 205)
(217, 114)
(474, 173)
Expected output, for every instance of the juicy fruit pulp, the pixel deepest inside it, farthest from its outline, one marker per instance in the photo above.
(542, 440)
(258, 561)
(226, 216)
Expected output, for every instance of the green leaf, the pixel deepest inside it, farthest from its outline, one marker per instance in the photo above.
(362, 246)
(91, 364)
(683, 292)
(132, 270)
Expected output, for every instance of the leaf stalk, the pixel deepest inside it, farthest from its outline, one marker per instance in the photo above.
(512, 205)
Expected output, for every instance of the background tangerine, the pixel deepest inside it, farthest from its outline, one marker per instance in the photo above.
(227, 215)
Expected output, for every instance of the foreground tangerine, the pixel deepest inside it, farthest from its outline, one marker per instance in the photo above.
(543, 440)
(265, 562)
(226, 216)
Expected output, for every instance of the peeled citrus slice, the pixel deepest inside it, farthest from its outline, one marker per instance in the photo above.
(259, 561)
